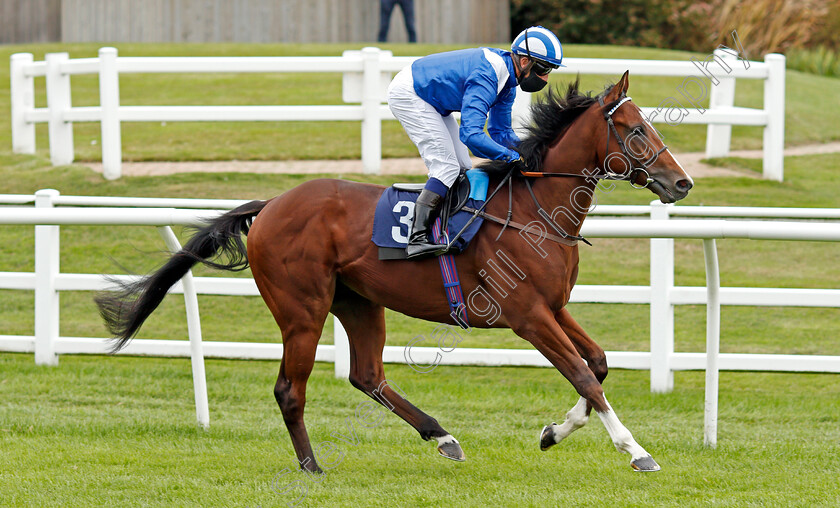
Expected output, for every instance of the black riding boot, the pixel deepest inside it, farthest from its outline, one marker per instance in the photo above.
(419, 243)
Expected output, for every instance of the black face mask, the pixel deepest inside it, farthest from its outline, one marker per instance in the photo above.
(532, 82)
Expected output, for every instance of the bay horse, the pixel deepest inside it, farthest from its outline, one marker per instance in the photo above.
(311, 253)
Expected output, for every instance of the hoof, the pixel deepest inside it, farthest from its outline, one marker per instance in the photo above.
(310, 466)
(452, 450)
(645, 464)
(547, 437)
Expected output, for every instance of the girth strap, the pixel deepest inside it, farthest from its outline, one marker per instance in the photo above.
(451, 283)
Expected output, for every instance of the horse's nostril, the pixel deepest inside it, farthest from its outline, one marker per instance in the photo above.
(684, 185)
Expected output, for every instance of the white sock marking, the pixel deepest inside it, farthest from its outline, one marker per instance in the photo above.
(575, 419)
(621, 437)
(446, 439)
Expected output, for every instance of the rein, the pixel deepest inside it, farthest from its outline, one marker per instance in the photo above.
(640, 167)
(522, 227)
(476, 213)
(564, 238)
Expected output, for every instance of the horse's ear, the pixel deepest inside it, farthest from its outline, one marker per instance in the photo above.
(619, 89)
(625, 82)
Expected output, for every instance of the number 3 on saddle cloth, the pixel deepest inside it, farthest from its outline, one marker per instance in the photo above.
(394, 215)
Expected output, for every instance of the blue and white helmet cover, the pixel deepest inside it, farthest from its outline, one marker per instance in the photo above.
(542, 43)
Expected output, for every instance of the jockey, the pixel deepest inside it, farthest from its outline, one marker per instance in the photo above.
(480, 83)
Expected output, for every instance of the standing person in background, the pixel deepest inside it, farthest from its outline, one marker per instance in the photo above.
(386, 7)
(480, 83)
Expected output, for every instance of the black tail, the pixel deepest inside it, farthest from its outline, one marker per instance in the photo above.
(125, 310)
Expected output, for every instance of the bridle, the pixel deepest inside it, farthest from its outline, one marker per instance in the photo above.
(638, 166)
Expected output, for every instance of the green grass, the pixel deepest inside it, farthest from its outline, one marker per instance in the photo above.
(119, 431)
(820, 60)
(812, 103)
(811, 181)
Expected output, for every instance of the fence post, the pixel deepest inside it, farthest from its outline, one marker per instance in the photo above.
(718, 137)
(46, 296)
(58, 102)
(342, 350)
(371, 100)
(774, 106)
(23, 99)
(109, 103)
(661, 308)
(202, 408)
(710, 413)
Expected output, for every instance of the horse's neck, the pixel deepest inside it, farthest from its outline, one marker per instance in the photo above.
(567, 199)
(574, 152)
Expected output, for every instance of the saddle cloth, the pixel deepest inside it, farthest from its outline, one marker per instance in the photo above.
(395, 213)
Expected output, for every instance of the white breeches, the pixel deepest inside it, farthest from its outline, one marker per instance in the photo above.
(436, 136)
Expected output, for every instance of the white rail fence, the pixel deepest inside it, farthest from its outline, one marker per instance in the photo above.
(47, 281)
(366, 74)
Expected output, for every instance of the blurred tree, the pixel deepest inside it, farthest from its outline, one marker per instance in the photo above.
(827, 33)
(675, 24)
(769, 26)
(763, 25)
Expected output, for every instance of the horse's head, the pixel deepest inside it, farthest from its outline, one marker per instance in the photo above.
(633, 149)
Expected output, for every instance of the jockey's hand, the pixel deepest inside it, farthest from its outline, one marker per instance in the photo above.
(520, 164)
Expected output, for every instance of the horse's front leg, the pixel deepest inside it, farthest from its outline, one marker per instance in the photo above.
(576, 418)
(596, 360)
(545, 333)
(624, 442)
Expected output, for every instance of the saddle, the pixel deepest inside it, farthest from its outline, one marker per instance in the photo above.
(395, 210)
(459, 196)
(455, 199)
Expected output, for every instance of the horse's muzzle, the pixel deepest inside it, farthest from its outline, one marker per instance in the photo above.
(671, 193)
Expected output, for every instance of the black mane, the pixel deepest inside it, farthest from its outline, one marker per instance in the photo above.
(552, 114)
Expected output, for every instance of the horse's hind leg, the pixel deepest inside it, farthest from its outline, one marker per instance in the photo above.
(364, 322)
(300, 312)
(290, 391)
(596, 361)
